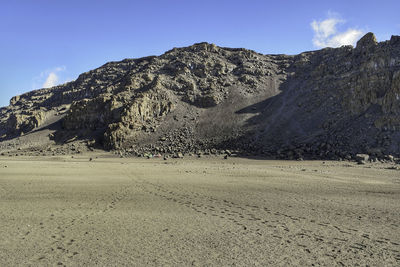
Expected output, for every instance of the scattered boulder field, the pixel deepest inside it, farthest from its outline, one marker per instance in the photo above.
(333, 103)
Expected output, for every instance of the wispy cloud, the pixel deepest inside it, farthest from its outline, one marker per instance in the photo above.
(48, 78)
(326, 33)
(51, 80)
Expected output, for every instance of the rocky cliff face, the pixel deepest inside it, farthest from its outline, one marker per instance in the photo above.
(330, 103)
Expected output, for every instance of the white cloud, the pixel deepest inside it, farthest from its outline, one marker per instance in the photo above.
(51, 80)
(327, 35)
(48, 78)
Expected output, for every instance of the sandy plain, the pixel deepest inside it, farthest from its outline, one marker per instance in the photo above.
(197, 212)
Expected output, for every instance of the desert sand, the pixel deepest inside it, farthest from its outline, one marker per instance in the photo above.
(202, 212)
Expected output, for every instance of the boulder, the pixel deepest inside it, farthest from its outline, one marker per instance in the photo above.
(367, 41)
(362, 158)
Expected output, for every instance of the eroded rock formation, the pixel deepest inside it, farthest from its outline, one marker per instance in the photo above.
(330, 103)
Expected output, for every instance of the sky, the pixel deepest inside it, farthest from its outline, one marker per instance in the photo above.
(48, 42)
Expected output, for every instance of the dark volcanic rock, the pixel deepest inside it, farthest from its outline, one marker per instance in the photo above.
(367, 41)
(330, 103)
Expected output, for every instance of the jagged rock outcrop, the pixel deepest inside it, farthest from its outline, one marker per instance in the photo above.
(144, 113)
(24, 122)
(330, 103)
(367, 42)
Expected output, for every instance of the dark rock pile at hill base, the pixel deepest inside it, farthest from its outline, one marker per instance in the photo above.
(332, 103)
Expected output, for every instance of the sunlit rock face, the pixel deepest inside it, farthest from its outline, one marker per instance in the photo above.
(330, 103)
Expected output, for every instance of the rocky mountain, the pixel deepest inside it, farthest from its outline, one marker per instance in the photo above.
(331, 103)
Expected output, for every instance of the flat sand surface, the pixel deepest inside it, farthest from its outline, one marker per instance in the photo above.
(201, 212)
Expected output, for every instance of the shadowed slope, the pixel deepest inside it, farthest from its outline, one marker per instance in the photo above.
(330, 103)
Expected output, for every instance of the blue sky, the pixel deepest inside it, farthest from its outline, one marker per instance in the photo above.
(47, 42)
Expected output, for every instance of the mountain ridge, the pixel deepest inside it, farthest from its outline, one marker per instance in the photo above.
(329, 103)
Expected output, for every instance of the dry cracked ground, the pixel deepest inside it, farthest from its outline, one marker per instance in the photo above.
(202, 212)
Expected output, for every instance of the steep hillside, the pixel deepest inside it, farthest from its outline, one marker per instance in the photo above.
(330, 103)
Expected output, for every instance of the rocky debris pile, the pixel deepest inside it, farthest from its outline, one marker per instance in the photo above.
(325, 104)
